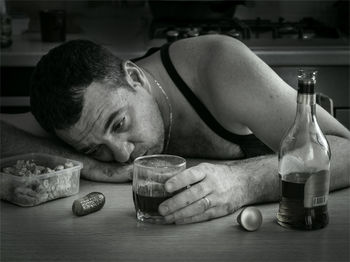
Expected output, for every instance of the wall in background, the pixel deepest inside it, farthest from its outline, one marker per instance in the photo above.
(323, 10)
(77, 11)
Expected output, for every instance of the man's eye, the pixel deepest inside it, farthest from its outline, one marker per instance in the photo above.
(118, 125)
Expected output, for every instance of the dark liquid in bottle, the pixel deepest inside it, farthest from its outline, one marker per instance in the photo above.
(148, 204)
(292, 212)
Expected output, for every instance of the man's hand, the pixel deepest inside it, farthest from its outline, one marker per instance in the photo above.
(226, 191)
(106, 171)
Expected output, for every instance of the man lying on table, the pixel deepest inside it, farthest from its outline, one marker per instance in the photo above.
(207, 97)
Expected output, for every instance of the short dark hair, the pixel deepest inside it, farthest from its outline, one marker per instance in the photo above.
(61, 77)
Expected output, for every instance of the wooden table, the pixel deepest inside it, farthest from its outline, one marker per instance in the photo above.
(50, 232)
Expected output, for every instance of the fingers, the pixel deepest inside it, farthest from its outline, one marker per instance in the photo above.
(198, 207)
(185, 199)
(214, 211)
(212, 194)
(184, 179)
(199, 189)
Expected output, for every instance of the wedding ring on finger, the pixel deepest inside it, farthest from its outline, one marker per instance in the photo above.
(207, 203)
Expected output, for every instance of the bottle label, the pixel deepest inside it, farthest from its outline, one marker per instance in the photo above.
(316, 189)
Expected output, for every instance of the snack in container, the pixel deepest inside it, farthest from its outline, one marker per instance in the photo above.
(32, 179)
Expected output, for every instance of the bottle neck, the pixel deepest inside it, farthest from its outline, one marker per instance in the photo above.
(306, 99)
(306, 106)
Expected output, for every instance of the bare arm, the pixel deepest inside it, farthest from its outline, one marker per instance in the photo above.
(255, 96)
(252, 95)
(15, 141)
(233, 184)
(262, 172)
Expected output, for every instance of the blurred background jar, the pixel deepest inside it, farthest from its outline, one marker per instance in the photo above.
(6, 28)
(53, 25)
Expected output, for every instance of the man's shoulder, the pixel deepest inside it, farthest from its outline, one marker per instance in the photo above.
(205, 52)
(205, 42)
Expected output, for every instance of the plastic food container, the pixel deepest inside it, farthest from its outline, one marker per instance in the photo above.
(32, 179)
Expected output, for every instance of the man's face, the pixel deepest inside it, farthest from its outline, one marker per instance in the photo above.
(116, 124)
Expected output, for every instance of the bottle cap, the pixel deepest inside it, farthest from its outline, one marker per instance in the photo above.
(250, 218)
(307, 81)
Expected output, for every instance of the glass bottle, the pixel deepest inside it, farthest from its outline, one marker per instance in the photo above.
(304, 164)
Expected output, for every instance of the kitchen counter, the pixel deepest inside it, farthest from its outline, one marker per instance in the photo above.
(295, 52)
(27, 49)
(50, 232)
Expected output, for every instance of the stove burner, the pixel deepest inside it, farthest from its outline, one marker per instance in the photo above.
(307, 28)
(168, 29)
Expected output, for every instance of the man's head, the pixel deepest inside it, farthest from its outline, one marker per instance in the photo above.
(96, 102)
(61, 78)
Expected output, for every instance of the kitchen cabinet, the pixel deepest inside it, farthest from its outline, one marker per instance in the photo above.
(15, 89)
(15, 80)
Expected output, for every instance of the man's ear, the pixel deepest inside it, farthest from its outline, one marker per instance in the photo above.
(134, 75)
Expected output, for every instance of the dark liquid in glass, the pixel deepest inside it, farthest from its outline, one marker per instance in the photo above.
(148, 204)
(292, 212)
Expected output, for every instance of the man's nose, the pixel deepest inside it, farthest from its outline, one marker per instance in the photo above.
(122, 150)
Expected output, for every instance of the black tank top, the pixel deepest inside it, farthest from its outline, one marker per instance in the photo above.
(249, 144)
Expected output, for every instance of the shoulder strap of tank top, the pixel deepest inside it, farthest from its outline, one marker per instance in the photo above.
(197, 105)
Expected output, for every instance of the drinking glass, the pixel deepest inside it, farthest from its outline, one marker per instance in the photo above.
(149, 176)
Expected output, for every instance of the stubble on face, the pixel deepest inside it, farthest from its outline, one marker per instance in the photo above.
(146, 126)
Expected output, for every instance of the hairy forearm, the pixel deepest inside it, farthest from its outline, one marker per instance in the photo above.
(15, 141)
(262, 177)
(340, 163)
